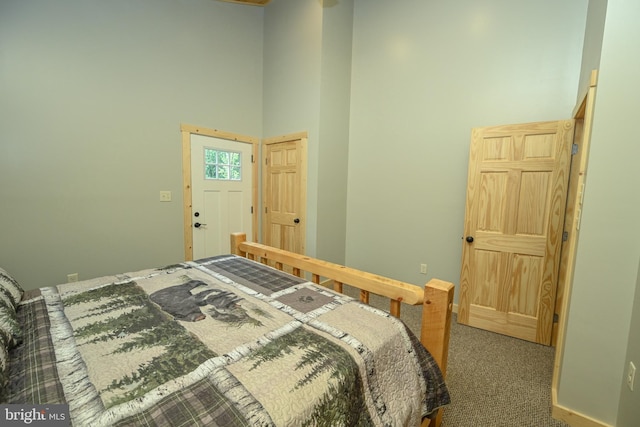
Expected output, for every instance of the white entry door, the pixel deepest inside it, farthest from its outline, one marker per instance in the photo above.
(221, 179)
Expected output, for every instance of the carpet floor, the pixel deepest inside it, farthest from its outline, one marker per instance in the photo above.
(493, 380)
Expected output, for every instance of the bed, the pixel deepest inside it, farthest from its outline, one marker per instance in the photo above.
(231, 340)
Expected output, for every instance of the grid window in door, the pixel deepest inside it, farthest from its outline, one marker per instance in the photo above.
(222, 165)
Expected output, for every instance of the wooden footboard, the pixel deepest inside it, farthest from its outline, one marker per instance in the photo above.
(436, 298)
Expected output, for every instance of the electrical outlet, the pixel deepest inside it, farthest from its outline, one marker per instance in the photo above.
(423, 268)
(73, 277)
(631, 375)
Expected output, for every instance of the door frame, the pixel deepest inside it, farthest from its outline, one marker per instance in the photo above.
(583, 115)
(303, 138)
(187, 196)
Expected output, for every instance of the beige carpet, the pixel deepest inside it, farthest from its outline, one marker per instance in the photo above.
(494, 380)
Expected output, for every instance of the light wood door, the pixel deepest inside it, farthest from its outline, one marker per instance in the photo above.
(285, 193)
(516, 197)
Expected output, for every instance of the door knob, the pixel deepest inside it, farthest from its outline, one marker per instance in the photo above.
(297, 220)
(197, 225)
(469, 239)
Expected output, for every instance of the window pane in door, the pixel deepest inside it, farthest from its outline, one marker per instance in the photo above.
(222, 165)
(210, 172)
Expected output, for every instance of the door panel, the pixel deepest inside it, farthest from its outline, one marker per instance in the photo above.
(285, 193)
(516, 197)
(213, 228)
(223, 206)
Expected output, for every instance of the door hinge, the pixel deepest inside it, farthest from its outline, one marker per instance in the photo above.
(565, 236)
(252, 210)
(574, 149)
(265, 210)
(252, 159)
(556, 318)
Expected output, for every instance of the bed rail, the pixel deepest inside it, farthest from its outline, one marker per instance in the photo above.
(436, 297)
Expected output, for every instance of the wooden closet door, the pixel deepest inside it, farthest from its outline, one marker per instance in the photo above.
(516, 197)
(284, 196)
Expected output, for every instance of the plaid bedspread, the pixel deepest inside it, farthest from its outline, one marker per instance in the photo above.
(222, 341)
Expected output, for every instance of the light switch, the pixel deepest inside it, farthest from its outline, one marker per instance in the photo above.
(165, 196)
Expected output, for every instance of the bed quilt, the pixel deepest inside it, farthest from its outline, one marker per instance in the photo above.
(220, 341)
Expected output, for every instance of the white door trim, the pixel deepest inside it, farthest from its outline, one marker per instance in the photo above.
(186, 131)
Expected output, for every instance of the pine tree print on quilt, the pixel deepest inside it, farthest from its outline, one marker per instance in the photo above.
(150, 346)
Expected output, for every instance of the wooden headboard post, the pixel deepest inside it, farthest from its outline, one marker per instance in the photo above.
(436, 320)
(436, 328)
(236, 240)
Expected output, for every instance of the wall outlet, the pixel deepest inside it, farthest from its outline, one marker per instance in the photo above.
(631, 375)
(423, 268)
(73, 277)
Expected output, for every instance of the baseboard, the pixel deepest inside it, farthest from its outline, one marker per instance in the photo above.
(573, 418)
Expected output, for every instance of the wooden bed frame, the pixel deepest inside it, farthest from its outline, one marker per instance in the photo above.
(436, 298)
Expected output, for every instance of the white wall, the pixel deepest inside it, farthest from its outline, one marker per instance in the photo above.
(99, 90)
(629, 404)
(335, 102)
(424, 74)
(292, 68)
(307, 78)
(92, 95)
(592, 48)
(606, 271)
